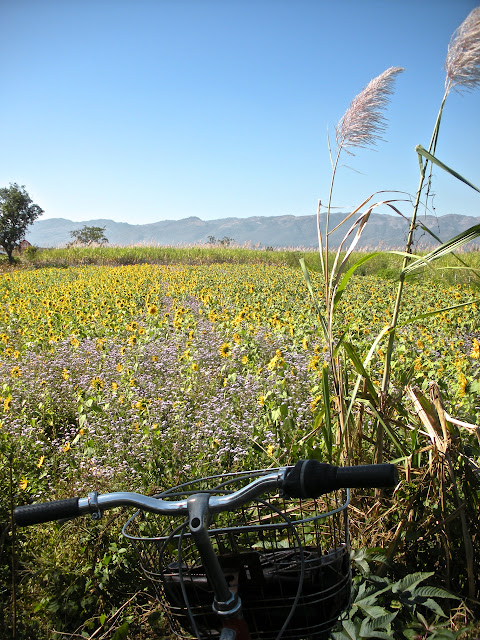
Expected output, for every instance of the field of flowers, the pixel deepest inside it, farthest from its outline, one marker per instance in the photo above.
(137, 377)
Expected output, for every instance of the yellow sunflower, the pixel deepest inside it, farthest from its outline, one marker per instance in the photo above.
(225, 350)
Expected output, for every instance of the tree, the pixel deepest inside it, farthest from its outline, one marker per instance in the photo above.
(89, 235)
(224, 242)
(17, 212)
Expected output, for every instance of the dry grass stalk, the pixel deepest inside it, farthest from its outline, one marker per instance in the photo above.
(425, 412)
(463, 58)
(363, 123)
(430, 421)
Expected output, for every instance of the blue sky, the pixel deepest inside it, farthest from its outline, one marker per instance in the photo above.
(147, 110)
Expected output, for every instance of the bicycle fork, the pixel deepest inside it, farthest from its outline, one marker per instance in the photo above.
(226, 604)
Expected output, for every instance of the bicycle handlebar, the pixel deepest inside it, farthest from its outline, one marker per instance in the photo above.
(311, 478)
(307, 479)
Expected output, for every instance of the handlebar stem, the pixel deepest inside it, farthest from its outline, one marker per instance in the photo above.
(226, 602)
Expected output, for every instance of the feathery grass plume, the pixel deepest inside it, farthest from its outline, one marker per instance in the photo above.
(463, 58)
(363, 122)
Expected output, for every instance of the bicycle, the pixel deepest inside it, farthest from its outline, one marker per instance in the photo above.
(242, 566)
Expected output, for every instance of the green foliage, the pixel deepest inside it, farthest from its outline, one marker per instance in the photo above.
(17, 212)
(122, 632)
(30, 253)
(6, 537)
(89, 236)
(385, 608)
(224, 242)
(78, 587)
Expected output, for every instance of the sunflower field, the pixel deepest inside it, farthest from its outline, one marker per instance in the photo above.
(139, 377)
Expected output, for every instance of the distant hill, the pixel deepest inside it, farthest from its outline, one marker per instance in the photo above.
(381, 231)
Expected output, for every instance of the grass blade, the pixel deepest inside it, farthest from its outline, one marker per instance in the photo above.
(429, 314)
(371, 351)
(357, 363)
(344, 281)
(328, 426)
(447, 247)
(391, 434)
(319, 311)
(360, 222)
(421, 151)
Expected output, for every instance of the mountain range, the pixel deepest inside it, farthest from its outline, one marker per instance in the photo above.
(381, 232)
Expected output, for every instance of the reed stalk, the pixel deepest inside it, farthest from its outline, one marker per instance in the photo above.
(361, 126)
(462, 74)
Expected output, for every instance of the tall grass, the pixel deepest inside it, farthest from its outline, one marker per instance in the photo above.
(462, 74)
(361, 126)
(356, 414)
(379, 263)
(114, 256)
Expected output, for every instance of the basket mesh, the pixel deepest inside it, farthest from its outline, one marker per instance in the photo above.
(286, 559)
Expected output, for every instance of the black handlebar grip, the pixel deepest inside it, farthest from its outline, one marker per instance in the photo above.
(46, 511)
(311, 478)
(368, 476)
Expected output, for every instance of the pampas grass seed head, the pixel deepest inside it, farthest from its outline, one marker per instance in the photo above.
(363, 123)
(463, 58)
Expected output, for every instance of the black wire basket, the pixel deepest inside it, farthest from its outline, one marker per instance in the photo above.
(289, 561)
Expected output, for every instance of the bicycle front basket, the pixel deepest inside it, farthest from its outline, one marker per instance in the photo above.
(288, 560)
